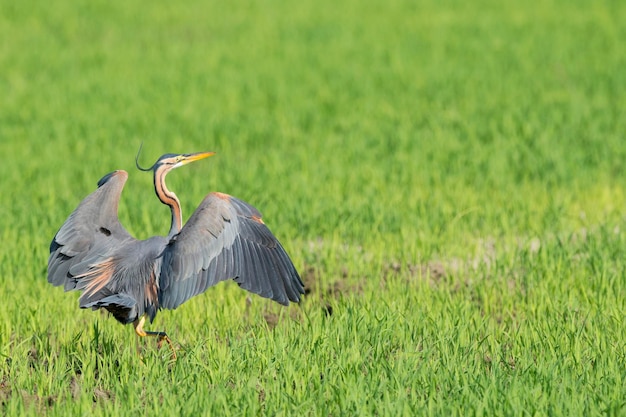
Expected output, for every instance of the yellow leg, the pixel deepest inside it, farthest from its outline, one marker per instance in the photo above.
(161, 336)
(139, 326)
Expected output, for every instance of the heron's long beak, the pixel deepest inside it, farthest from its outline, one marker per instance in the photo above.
(196, 156)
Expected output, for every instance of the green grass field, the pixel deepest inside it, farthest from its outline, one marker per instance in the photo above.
(448, 177)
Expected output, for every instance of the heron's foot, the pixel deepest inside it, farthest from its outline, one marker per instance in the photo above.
(161, 336)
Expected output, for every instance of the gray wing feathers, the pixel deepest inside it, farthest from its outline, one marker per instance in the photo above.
(226, 238)
(90, 233)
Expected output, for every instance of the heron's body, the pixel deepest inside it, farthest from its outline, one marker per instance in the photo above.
(133, 279)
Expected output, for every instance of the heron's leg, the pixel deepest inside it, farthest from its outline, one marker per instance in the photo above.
(161, 336)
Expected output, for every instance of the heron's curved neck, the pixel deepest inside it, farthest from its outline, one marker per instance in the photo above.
(169, 198)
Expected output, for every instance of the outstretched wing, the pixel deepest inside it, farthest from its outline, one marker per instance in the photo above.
(226, 238)
(90, 234)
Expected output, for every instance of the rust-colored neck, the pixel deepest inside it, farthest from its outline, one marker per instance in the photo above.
(169, 198)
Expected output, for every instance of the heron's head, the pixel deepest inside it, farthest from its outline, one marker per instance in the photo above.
(169, 161)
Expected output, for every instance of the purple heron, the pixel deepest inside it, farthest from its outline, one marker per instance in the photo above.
(224, 238)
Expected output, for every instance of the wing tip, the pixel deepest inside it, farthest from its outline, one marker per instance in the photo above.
(119, 173)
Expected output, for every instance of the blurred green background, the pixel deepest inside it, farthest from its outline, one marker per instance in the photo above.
(378, 138)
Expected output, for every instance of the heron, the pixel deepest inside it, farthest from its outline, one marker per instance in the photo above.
(225, 238)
